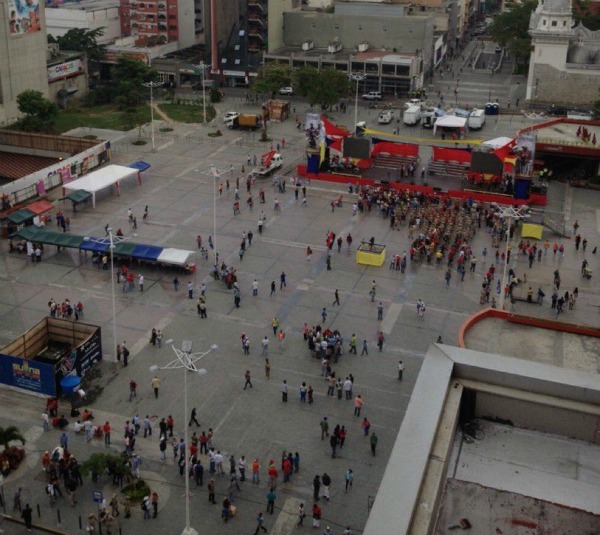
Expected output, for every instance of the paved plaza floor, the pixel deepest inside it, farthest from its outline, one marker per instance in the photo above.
(178, 190)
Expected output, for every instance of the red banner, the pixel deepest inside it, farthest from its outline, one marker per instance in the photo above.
(332, 130)
(451, 155)
(395, 149)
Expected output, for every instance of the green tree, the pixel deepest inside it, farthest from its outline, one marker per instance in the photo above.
(272, 77)
(511, 29)
(82, 40)
(10, 434)
(324, 87)
(40, 113)
(129, 75)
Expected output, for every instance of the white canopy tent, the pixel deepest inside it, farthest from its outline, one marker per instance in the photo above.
(449, 121)
(176, 257)
(107, 176)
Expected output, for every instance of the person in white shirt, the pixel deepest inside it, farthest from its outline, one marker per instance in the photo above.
(400, 370)
(348, 388)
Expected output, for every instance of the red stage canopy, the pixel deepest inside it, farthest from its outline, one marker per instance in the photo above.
(332, 130)
(451, 155)
(395, 149)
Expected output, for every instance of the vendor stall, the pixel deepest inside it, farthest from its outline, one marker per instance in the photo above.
(103, 178)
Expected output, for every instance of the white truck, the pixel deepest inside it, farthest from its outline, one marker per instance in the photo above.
(412, 115)
(476, 119)
(275, 163)
(385, 117)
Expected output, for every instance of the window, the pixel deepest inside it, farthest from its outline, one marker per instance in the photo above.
(389, 69)
(554, 23)
(564, 22)
(544, 22)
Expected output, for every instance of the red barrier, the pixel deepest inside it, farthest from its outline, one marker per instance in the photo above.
(451, 155)
(538, 200)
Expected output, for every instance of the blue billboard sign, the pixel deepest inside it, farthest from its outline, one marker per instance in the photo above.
(28, 375)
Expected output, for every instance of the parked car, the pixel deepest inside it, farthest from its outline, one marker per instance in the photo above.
(413, 102)
(372, 95)
(286, 91)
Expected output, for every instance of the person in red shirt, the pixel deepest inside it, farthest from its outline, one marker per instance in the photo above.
(272, 473)
(287, 470)
(316, 515)
(106, 430)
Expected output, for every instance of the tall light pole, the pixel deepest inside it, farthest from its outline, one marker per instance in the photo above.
(186, 360)
(152, 85)
(202, 66)
(356, 77)
(508, 214)
(215, 174)
(111, 239)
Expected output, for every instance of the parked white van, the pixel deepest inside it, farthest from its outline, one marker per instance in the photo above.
(476, 119)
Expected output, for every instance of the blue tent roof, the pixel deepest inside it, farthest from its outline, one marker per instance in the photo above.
(140, 166)
(147, 252)
(94, 246)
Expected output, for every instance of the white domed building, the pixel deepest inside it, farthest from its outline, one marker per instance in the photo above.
(564, 67)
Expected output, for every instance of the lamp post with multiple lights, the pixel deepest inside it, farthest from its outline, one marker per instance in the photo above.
(508, 214)
(356, 77)
(152, 85)
(203, 66)
(186, 360)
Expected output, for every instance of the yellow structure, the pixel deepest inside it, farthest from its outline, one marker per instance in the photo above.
(531, 230)
(370, 255)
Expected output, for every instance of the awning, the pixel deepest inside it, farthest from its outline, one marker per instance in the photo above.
(497, 142)
(30, 233)
(77, 196)
(124, 249)
(140, 166)
(68, 240)
(94, 246)
(40, 207)
(176, 257)
(18, 217)
(147, 252)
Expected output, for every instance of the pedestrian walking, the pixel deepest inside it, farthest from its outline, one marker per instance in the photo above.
(27, 516)
(366, 426)
(316, 515)
(125, 354)
(271, 497)
(333, 442)
(380, 340)
(260, 524)
(155, 384)
(358, 403)
(265, 346)
(282, 281)
(316, 488)
(373, 441)
(400, 370)
(324, 314)
(284, 391)
(301, 515)
(248, 383)
(448, 276)
(336, 300)
(365, 348)
(273, 288)
(193, 418)
(190, 288)
(380, 312)
(132, 389)
(324, 424)
(267, 369)
(349, 478)
(176, 284)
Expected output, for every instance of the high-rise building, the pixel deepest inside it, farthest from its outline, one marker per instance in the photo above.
(23, 50)
(158, 22)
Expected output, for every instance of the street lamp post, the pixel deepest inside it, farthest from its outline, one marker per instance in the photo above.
(186, 360)
(152, 85)
(111, 239)
(202, 66)
(508, 214)
(356, 77)
(215, 174)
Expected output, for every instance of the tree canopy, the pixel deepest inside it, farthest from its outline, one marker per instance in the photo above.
(10, 434)
(511, 30)
(82, 40)
(272, 77)
(324, 87)
(40, 112)
(129, 75)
